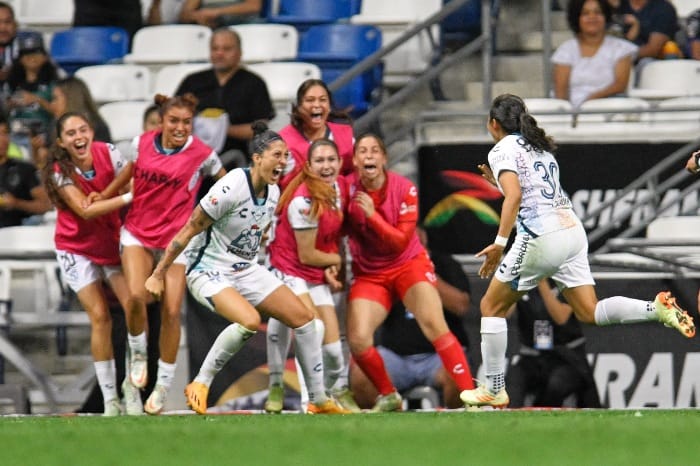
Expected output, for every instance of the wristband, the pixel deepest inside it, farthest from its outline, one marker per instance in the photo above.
(127, 198)
(501, 241)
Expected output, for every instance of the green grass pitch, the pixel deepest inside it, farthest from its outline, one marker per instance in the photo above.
(566, 437)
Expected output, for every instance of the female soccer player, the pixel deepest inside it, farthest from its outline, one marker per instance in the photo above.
(388, 261)
(310, 120)
(169, 165)
(87, 236)
(550, 242)
(305, 247)
(223, 273)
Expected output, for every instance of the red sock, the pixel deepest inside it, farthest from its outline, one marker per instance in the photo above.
(450, 351)
(372, 364)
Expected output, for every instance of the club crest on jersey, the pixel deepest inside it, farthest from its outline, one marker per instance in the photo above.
(213, 200)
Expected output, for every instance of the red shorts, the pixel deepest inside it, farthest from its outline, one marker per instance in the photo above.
(386, 286)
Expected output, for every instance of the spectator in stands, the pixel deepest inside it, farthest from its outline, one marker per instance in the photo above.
(551, 364)
(151, 119)
(550, 242)
(217, 13)
(125, 14)
(692, 34)
(306, 254)
(21, 193)
(225, 231)
(313, 117)
(162, 11)
(169, 165)
(693, 164)
(30, 86)
(389, 262)
(650, 24)
(594, 64)
(410, 358)
(230, 88)
(70, 95)
(87, 234)
(8, 36)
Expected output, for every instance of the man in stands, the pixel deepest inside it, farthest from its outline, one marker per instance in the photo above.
(8, 34)
(230, 88)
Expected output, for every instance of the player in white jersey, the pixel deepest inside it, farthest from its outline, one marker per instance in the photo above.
(225, 232)
(550, 241)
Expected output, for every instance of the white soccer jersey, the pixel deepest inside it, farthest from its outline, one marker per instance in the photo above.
(544, 207)
(233, 241)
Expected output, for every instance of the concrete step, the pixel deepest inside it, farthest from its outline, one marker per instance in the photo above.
(525, 89)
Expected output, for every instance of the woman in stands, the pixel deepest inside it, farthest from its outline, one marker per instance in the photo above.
(594, 64)
(87, 234)
(225, 231)
(389, 262)
(311, 120)
(169, 165)
(550, 242)
(71, 95)
(306, 247)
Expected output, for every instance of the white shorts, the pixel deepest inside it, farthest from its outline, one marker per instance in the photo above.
(561, 255)
(254, 283)
(320, 294)
(79, 271)
(127, 239)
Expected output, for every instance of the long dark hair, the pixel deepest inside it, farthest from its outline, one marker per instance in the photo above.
(58, 156)
(511, 113)
(335, 115)
(573, 13)
(17, 76)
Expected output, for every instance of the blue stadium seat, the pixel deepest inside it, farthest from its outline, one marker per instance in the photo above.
(461, 26)
(335, 48)
(306, 13)
(88, 45)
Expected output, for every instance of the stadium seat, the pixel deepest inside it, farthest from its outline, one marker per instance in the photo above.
(267, 42)
(393, 19)
(685, 7)
(169, 77)
(668, 78)
(690, 117)
(461, 26)
(111, 83)
(609, 105)
(335, 48)
(682, 227)
(90, 45)
(303, 14)
(551, 122)
(283, 78)
(124, 118)
(170, 43)
(44, 15)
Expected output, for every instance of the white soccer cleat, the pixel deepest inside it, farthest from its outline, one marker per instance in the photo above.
(112, 408)
(481, 396)
(138, 369)
(132, 399)
(155, 403)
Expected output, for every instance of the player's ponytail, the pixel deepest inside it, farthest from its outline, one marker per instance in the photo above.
(512, 114)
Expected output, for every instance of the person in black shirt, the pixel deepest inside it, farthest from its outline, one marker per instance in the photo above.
(21, 192)
(410, 359)
(228, 87)
(551, 364)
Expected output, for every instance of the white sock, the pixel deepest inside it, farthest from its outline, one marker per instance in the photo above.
(343, 381)
(106, 373)
(279, 337)
(303, 391)
(494, 341)
(166, 373)
(230, 340)
(310, 360)
(333, 363)
(137, 343)
(621, 310)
